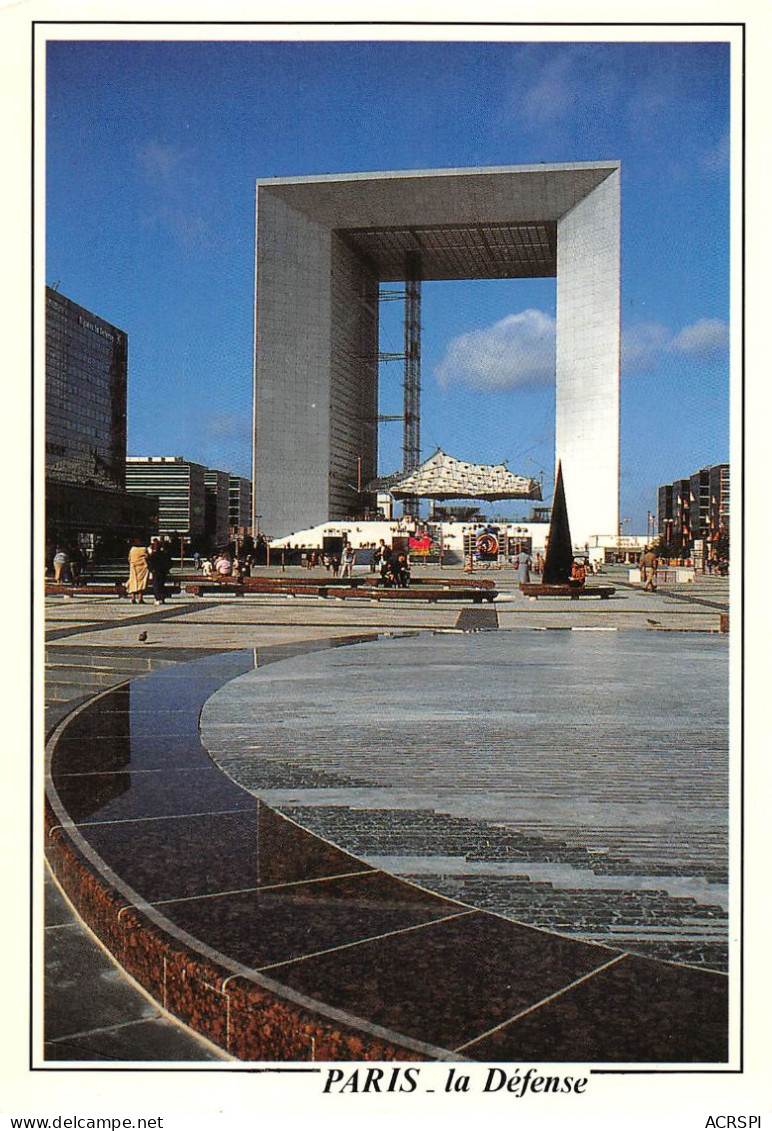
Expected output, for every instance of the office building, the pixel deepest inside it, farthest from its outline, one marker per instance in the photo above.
(681, 500)
(178, 485)
(696, 510)
(699, 504)
(240, 509)
(216, 507)
(719, 508)
(86, 370)
(665, 511)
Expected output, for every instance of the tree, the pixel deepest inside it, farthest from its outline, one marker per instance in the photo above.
(672, 548)
(721, 544)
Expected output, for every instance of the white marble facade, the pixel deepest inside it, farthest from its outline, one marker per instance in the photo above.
(323, 247)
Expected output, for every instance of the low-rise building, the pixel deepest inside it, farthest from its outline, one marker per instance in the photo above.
(178, 485)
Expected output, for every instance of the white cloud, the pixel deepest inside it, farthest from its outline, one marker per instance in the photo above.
(717, 159)
(228, 425)
(642, 345)
(551, 95)
(159, 162)
(519, 350)
(703, 339)
(168, 204)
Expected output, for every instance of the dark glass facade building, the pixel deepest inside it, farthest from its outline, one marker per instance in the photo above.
(85, 446)
(665, 511)
(86, 373)
(216, 507)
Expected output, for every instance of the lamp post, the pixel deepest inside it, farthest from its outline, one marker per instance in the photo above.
(622, 523)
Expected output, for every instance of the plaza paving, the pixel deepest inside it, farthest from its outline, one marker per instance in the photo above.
(93, 643)
(574, 781)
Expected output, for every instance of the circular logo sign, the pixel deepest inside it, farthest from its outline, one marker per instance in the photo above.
(487, 544)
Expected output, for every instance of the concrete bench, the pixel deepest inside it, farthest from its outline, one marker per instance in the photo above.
(201, 588)
(70, 588)
(436, 583)
(573, 591)
(428, 593)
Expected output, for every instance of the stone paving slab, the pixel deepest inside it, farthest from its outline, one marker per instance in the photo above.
(587, 751)
(90, 609)
(699, 621)
(658, 613)
(92, 1011)
(96, 626)
(322, 612)
(181, 636)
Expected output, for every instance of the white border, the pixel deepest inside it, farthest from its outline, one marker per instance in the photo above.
(678, 1099)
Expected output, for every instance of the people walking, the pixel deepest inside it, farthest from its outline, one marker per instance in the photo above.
(348, 557)
(160, 564)
(139, 572)
(523, 563)
(75, 562)
(649, 564)
(380, 558)
(61, 564)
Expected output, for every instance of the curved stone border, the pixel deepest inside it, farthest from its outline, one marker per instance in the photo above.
(277, 945)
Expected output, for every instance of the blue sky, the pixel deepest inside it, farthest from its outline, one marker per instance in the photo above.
(152, 154)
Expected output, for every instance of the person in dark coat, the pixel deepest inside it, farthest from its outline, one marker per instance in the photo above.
(160, 563)
(384, 565)
(399, 569)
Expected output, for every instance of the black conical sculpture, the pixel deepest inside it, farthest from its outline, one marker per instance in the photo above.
(559, 557)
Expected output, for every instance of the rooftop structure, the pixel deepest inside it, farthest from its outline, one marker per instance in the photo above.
(443, 477)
